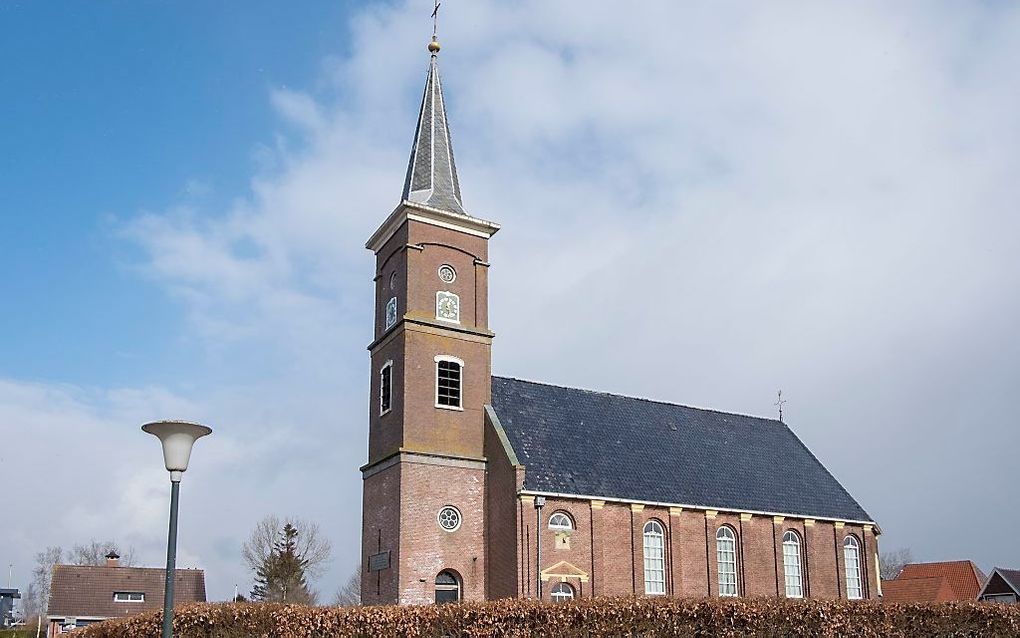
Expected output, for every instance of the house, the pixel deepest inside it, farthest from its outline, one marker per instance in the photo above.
(83, 594)
(1003, 586)
(934, 582)
(481, 487)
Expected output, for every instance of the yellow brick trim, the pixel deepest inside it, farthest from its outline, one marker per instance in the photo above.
(636, 507)
(597, 505)
(710, 514)
(809, 522)
(778, 520)
(744, 517)
(839, 524)
(527, 499)
(867, 528)
(676, 511)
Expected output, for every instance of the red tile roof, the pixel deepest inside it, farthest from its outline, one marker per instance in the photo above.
(934, 582)
(87, 591)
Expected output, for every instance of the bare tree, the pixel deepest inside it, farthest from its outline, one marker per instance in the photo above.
(94, 553)
(349, 594)
(311, 545)
(891, 563)
(42, 577)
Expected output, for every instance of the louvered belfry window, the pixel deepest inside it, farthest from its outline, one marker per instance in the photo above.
(448, 379)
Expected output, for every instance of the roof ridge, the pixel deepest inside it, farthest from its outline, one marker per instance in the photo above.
(645, 399)
(124, 567)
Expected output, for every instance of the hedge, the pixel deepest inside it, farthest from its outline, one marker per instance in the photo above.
(588, 617)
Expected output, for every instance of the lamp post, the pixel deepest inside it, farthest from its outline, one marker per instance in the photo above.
(177, 438)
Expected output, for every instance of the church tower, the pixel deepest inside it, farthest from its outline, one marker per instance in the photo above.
(423, 508)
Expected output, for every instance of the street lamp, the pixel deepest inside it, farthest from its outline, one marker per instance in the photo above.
(177, 438)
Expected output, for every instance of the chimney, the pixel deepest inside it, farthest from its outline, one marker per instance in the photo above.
(113, 559)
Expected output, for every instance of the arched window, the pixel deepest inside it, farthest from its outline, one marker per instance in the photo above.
(560, 522)
(726, 557)
(655, 559)
(791, 565)
(852, 564)
(562, 592)
(448, 381)
(447, 587)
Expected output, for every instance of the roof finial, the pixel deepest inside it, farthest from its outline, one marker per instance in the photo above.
(779, 404)
(434, 45)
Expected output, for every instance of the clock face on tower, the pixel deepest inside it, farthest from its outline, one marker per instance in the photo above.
(447, 306)
(391, 312)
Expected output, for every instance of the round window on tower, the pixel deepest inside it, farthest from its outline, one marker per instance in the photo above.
(449, 518)
(447, 273)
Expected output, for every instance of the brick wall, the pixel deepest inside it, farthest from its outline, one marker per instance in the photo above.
(380, 530)
(501, 524)
(607, 544)
(426, 485)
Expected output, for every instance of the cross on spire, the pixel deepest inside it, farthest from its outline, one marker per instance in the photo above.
(435, 20)
(779, 404)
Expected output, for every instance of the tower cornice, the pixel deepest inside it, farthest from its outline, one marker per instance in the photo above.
(413, 211)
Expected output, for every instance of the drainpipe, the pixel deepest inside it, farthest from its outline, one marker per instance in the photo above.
(539, 504)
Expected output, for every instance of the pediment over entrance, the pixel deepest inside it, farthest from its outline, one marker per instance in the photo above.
(564, 570)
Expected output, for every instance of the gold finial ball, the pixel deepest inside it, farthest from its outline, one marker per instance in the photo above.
(434, 46)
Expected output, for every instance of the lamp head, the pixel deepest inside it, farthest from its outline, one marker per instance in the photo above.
(177, 438)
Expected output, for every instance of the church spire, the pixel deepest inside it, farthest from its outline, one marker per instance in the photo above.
(431, 172)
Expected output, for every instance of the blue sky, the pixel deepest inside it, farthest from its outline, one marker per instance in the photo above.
(726, 199)
(116, 107)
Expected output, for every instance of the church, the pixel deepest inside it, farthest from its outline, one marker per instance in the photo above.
(481, 487)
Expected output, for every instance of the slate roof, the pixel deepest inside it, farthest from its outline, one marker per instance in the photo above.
(84, 591)
(1009, 576)
(604, 445)
(431, 172)
(953, 580)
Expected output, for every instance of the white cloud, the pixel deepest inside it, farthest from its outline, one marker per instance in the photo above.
(727, 199)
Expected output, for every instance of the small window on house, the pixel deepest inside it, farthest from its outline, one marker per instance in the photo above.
(655, 559)
(852, 564)
(791, 565)
(447, 587)
(386, 387)
(726, 557)
(448, 382)
(562, 592)
(129, 597)
(560, 522)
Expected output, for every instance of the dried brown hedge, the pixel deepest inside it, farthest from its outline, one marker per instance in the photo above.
(589, 617)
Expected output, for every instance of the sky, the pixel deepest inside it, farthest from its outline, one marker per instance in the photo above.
(701, 203)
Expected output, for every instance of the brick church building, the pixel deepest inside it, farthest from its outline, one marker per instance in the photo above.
(480, 487)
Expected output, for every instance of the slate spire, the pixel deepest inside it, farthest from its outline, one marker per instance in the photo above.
(431, 172)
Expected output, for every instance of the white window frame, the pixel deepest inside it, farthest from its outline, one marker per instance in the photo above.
(560, 596)
(653, 538)
(730, 537)
(118, 596)
(456, 298)
(382, 371)
(559, 527)
(792, 570)
(460, 389)
(852, 554)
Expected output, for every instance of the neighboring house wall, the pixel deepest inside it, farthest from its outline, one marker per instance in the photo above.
(607, 544)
